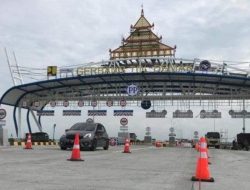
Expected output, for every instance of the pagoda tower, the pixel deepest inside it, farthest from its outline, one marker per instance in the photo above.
(142, 42)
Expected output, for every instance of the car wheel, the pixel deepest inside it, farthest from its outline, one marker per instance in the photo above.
(106, 147)
(63, 148)
(93, 146)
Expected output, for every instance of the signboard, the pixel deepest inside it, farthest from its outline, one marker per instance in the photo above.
(94, 103)
(123, 103)
(71, 112)
(124, 121)
(196, 133)
(171, 129)
(183, 114)
(123, 112)
(155, 114)
(45, 113)
(52, 104)
(109, 103)
(80, 103)
(172, 134)
(210, 114)
(51, 70)
(36, 104)
(97, 112)
(25, 104)
(239, 114)
(66, 103)
(2, 122)
(145, 104)
(3, 113)
(148, 128)
(124, 128)
(132, 90)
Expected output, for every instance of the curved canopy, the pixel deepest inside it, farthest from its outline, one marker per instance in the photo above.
(152, 85)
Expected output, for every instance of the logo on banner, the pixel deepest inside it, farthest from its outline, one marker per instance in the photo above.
(123, 103)
(124, 121)
(71, 112)
(80, 103)
(3, 113)
(66, 103)
(109, 103)
(123, 112)
(97, 112)
(94, 103)
(52, 104)
(45, 113)
(132, 90)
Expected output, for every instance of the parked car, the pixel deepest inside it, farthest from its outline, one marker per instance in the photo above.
(38, 137)
(92, 135)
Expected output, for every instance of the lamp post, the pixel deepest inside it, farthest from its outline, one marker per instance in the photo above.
(54, 129)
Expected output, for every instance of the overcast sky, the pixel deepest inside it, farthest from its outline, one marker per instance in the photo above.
(65, 32)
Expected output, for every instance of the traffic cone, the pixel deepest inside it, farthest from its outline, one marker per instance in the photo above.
(207, 153)
(75, 156)
(202, 170)
(28, 144)
(127, 146)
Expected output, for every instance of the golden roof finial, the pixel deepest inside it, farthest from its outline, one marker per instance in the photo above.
(142, 12)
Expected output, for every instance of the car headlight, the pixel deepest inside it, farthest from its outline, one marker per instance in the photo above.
(88, 135)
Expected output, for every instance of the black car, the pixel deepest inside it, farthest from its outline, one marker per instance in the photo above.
(92, 135)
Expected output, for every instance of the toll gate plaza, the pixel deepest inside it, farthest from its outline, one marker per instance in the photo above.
(144, 73)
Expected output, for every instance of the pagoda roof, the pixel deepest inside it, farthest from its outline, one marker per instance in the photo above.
(142, 22)
(142, 42)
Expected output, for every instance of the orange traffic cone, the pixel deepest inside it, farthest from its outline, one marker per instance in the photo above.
(202, 170)
(75, 156)
(28, 144)
(126, 146)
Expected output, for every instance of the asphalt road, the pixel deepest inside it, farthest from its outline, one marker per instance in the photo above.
(145, 168)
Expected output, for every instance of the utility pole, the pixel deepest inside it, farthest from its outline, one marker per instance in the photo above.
(54, 129)
(244, 117)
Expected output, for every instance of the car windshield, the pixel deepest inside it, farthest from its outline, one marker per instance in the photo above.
(213, 135)
(83, 127)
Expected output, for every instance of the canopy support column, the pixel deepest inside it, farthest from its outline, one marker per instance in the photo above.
(15, 121)
(19, 122)
(37, 122)
(28, 120)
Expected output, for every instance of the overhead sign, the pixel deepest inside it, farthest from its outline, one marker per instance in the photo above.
(45, 112)
(210, 114)
(3, 113)
(66, 103)
(183, 114)
(239, 114)
(155, 114)
(25, 104)
(80, 103)
(123, 121)
(52, 103)
(123, 103)
(132, 90)
(71, 112)
(93, 103)
(51, 70)
(97, 112)
(109, 103)
(36, 104)
(123, 112)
